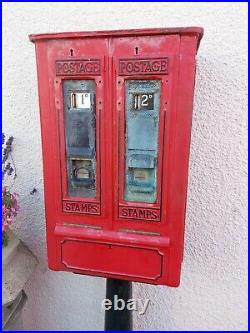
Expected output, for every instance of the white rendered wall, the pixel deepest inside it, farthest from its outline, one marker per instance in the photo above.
(213, 288)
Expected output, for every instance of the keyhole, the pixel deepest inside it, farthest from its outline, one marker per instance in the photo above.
(136, 50)
(71, 52)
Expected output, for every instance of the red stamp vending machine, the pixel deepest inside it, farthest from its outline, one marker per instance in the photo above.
(116, 113)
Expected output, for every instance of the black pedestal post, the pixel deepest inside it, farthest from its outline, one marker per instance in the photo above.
(118, 320)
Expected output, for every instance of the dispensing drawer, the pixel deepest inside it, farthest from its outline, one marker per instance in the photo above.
(111, 259)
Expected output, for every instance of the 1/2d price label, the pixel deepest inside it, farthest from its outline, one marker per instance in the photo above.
(143, 101)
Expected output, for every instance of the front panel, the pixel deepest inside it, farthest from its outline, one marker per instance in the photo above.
(79, 77)
(144, 85)
(73, 109)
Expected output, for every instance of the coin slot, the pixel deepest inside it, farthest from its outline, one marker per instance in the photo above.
(140, 175)
(82, 172)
